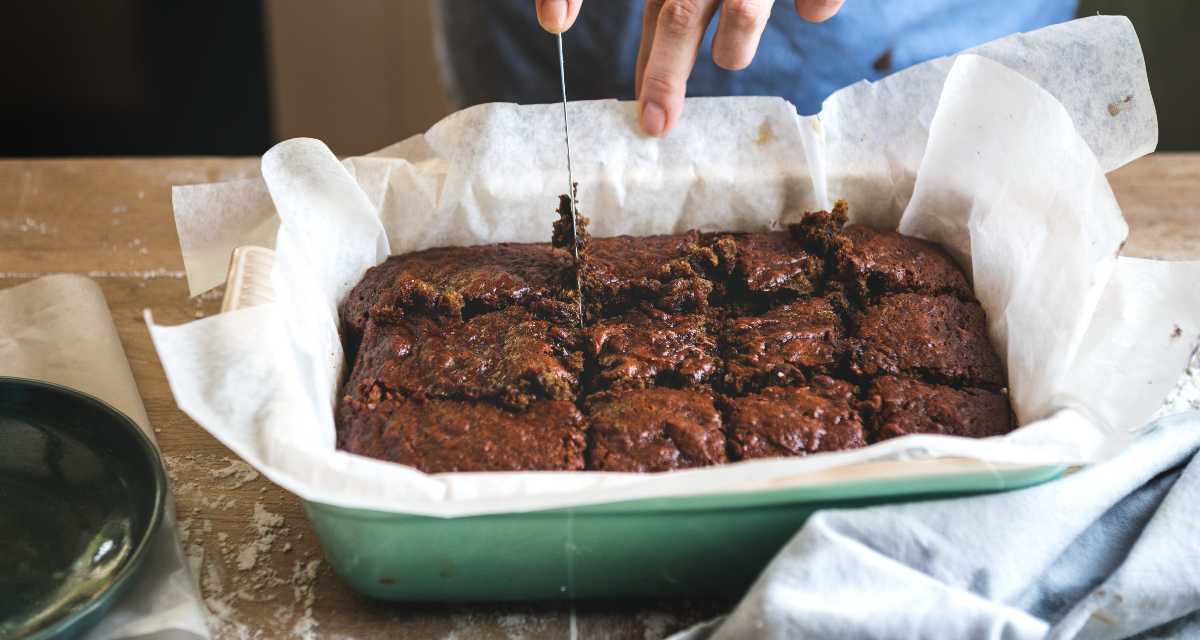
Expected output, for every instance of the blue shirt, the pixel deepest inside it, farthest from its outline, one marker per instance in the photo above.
(494, 50)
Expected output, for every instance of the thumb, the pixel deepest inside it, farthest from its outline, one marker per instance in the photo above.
(818, 10)
(556, 16)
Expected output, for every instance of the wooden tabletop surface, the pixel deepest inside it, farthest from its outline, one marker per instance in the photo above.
(250, 544)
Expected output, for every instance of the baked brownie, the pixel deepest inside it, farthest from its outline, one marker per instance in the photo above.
(871, 263)
(510, 356)
(669, 270)
(783, 345)
(939, 338)
(439, 436)
(767, 264)
(901, 406)
(650, 347)
(472, 358)
(795, 421)
(486, 277)
(654, 429)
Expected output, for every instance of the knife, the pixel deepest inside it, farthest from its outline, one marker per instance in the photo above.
(562, 77)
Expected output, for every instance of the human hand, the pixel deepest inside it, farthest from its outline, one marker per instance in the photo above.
(556, 16)
(672, 31)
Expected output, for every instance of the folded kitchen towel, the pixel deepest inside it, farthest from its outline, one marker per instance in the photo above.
(1112, 551)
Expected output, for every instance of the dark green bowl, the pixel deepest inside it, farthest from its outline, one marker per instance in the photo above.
(81, 493)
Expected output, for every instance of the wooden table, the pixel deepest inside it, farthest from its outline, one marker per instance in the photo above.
(253, 551)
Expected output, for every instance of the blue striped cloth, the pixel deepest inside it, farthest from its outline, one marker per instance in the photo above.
(1112, 551)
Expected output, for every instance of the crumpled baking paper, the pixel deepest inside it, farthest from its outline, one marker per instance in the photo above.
(58, 329)
(999, 154)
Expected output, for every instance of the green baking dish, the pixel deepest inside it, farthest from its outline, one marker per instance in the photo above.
(707, 545)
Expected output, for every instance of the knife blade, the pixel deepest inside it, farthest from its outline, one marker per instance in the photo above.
(571, 191)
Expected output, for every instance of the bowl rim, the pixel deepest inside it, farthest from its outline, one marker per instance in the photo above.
(104, 598)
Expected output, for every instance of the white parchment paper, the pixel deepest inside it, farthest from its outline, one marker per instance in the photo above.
(1000, 155)
(59, 329)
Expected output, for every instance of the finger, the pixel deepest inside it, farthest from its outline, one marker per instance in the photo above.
(818, 10)
(739, 28)
(556, 16)
(677, 35)
(649, 23)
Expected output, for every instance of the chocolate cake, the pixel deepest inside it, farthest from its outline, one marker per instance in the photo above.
(511, 357)
(696, 349)
(872, 263)
(650, 347)
(783, 345)
(654, 430)
(766, 264)
(669, 271)
(938, 337)
(795, 421)
(484, 277)
(901, 406)
(438, 436)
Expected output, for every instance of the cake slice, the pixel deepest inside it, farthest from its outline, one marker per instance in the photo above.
(937, 338)
(871, 263)
(669, 271)
(901, 406)
(484, 278)
(782, 346)
(769, 265)
(441, 436)
(795, 421)
(657, 429)
(510, 356)
(648, 347)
